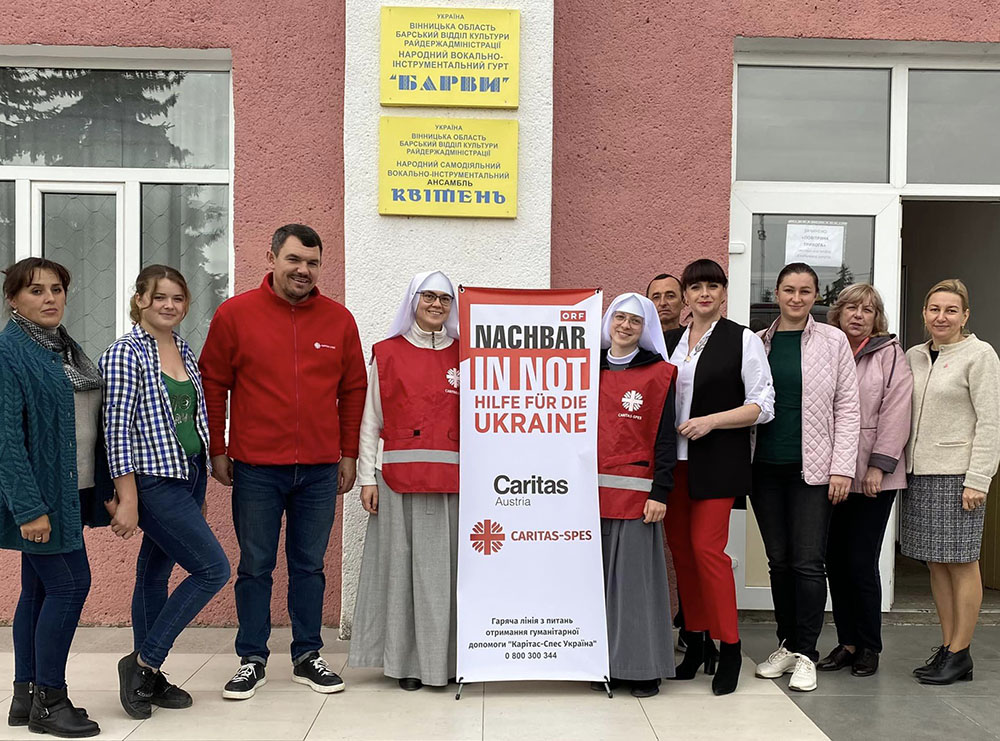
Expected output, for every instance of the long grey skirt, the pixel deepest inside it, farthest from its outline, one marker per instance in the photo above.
(935, 527)
(405, 620)
(637, 595)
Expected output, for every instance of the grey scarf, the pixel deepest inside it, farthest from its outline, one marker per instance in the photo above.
(79, 369)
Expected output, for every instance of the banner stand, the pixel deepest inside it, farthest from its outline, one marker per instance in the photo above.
(530, 577)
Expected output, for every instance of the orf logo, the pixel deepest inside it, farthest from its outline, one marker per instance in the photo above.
(452, 377)
(487, 537)
(632, 401)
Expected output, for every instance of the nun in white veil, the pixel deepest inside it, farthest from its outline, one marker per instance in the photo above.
(636, 457)
(404, 620)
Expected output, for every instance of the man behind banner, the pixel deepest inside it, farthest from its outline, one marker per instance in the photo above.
(636, 455)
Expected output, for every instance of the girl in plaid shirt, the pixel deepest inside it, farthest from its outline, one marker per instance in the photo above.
(156, 431)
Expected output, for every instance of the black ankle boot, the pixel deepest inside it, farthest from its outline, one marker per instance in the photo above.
(693, 657)
(954, 667)
(20, 705)
(728, 676)
(52, 712)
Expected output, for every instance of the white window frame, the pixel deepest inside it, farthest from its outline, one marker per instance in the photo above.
(880, 200)
(126, 182)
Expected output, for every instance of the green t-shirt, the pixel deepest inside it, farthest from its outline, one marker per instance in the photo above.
(184, 404)
(780, 441)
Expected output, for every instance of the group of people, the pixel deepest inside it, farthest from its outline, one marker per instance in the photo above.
(819, 423)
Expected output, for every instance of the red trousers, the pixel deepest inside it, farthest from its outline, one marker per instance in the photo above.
(697, 533)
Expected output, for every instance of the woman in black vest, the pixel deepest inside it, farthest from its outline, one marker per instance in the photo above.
(723, 388)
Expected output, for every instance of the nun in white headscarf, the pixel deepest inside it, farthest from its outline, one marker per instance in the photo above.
(404, 620)
(636, 454)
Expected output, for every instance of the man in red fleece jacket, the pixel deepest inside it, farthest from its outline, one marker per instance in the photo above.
(290, 362)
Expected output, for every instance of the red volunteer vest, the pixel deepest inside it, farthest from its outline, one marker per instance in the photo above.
(419, 391)
(629, 411)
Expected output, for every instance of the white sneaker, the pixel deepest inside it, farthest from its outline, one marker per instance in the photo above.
(804, 677)
(780, 662)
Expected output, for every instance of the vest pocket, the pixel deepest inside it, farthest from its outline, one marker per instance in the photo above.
(399, 433)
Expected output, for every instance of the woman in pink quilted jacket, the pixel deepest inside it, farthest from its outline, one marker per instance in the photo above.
(885, 385)
(804, 463)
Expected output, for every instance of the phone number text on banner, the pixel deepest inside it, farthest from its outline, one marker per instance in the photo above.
(530, 574)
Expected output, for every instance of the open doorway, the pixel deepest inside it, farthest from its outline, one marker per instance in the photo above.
(951, 239)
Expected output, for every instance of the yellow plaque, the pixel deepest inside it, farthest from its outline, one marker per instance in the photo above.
(457, 57)
(448, 167)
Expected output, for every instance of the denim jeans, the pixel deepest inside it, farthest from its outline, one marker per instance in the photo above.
(856, 533)
(53, 590)
(307, 496)
(174, 531)
(794, 520)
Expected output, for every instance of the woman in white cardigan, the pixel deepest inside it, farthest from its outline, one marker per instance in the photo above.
(952, 454)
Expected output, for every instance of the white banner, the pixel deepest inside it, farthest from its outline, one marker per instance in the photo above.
(530, 572)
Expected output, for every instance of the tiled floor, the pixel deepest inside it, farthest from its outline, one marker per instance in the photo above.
(887, 706)
(373, 707)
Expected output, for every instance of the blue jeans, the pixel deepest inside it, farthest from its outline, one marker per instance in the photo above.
(307, 496)
(53, 590)
(174, 531)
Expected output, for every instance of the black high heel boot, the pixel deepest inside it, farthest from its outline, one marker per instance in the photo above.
(52, 712)
(954, 667)
(730, 661)
(711, 655)
(693, 657)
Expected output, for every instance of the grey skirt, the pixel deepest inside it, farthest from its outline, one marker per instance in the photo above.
(934, 526)
(637, 595)
(404, 620)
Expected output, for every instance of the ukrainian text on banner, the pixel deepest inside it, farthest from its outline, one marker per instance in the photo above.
(530, 573)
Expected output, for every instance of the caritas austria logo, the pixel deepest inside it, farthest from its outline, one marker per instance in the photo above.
(632, 401)
(452, 376)
(487, 537)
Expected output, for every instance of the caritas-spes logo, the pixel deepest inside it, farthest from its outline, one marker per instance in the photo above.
(487, 537)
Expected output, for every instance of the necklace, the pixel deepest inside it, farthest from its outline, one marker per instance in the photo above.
(699, 347)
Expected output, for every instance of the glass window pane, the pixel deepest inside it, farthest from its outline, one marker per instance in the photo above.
(952, 123)
(114, 118)
(187, 227)
(6, 223)
(78, 230)
(812, 124)
(779, 239)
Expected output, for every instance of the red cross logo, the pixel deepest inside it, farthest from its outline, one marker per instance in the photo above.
(487, 537)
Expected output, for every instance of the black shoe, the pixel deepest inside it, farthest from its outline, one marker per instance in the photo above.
(52, 712)
(730, 661)
(932, 662)
(612, 683)
(20, 705)
(315, 672)
(954, 667)
(865, 664)
(646, 688)
(170, 696)
(247, 680)
(135, 686)
(410, 684)
(836, 660)
(693, 657)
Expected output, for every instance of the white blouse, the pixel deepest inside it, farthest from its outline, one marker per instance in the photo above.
(756, 373)
(370, 445)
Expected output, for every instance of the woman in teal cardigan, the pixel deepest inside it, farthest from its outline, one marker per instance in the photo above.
(50, 401)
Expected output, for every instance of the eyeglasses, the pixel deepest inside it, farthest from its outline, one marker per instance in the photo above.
(631, 320)
(429, 298)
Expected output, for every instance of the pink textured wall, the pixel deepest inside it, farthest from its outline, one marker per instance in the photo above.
(643, 116)
(288, 72)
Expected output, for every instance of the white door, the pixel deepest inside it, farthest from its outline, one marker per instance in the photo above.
(857, 229)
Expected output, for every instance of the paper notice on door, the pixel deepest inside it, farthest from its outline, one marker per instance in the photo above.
(816, 243)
